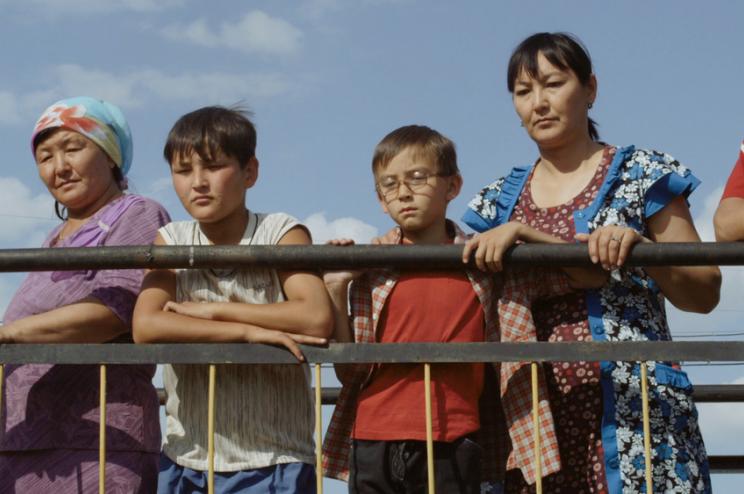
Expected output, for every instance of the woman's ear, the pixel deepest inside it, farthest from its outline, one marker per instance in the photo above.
(591, 87)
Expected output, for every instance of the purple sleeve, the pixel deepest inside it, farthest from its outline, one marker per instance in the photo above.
(118, 288)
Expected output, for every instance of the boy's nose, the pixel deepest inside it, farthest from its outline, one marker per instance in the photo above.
(404, 190)
(199, 178)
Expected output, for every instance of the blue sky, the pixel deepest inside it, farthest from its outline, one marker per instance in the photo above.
(328, 78)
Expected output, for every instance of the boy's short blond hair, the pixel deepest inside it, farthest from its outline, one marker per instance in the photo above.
(425, 142)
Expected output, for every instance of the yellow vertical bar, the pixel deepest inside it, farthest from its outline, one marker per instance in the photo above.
(2, 382)
(646, 427)
(429, 433)
(318, 433)
(536, 429)
(102, 431)
(210, 429)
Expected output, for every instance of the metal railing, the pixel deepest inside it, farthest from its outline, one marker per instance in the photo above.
(440, 258)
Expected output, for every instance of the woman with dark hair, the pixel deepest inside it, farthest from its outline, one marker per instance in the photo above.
(580, 189)
(50, 414)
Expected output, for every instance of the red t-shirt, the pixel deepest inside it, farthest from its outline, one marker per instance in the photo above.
(735, 184)
(440, 307)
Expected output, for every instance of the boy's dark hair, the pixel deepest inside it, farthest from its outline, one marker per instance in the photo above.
(424, 141)
(210, 130)
(563, 50)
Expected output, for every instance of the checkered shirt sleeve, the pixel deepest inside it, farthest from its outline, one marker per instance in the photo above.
(367, 297)
(521, 288)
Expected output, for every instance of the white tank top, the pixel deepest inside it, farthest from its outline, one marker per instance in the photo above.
(264, 413)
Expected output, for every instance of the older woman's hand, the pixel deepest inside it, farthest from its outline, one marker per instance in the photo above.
(610, 245)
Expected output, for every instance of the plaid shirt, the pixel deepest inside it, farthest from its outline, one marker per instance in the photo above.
(506, 318)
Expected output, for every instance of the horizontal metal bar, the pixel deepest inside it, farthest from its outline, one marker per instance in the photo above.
(726, 464)
(703, 393)
(203, 353)
(719, 393)
(439, 257)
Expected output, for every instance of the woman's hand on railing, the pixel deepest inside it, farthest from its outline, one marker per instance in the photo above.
(610, 245)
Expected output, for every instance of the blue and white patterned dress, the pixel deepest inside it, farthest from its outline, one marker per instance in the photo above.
(630, 307)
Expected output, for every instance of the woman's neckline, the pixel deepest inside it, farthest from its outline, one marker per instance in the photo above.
(60, 239)
(604, 160)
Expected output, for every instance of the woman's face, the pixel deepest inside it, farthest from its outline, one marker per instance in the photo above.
(554, 105)
(75, 170)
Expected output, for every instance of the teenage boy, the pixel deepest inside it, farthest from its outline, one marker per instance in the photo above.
(263, 430)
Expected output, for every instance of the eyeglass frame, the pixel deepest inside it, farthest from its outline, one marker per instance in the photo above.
(394, 190)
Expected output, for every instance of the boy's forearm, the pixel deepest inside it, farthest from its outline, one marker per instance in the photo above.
(292, 316)
(339, 293)
(169, 327)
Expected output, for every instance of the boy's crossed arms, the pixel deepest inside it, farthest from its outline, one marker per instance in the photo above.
(302, 318)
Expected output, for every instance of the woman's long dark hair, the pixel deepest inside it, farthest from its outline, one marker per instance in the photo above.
(563, 50)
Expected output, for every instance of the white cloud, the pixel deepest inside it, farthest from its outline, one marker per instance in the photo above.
(214, 87)
(51, 8)
(24, 218)
(324, 230)
(255, 32)
(136, 88)
(316, 9)
(21, 108)
(74, 79)
(704, 221)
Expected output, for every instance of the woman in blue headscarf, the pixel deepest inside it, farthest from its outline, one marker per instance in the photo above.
(83, 151)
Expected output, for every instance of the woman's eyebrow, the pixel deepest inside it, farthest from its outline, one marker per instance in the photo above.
(44, 146)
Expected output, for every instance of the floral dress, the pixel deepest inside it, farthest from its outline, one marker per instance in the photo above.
(597, 406)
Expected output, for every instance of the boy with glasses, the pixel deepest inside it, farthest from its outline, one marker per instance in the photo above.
(376, 438)
(381, 407)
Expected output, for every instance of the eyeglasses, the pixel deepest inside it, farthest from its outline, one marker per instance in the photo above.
(389, 186)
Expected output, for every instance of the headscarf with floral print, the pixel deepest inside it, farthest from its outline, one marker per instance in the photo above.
(98, 120)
